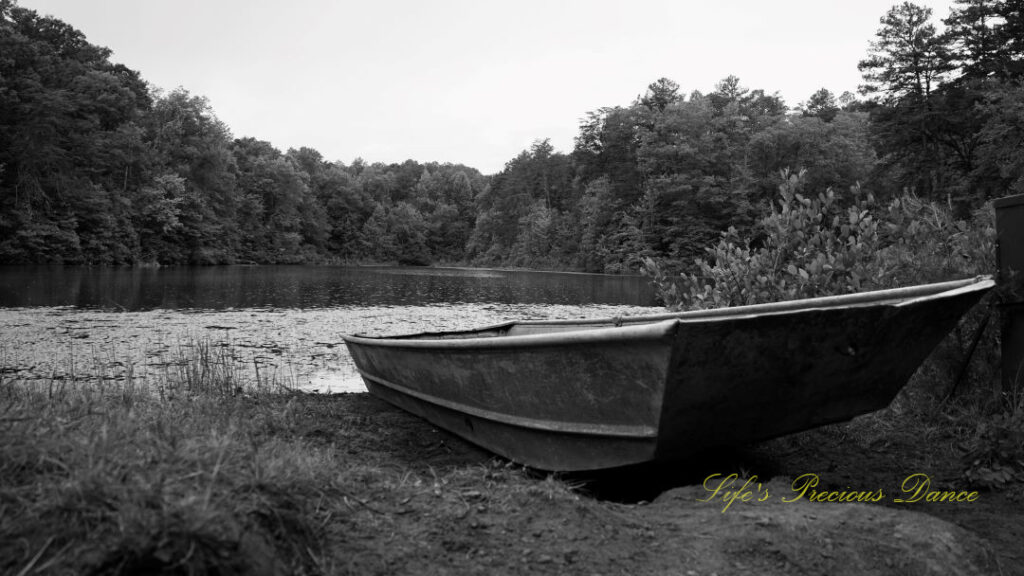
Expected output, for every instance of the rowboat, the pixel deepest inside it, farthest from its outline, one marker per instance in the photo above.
(573, 395)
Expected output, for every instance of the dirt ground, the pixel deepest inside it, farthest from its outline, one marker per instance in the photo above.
(664, 520)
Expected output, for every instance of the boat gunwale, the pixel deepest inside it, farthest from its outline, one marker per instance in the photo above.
(634, 333)
(979, 283)
(897, 296)
(657, 326)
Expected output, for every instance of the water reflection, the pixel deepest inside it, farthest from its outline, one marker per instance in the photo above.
(306, 287)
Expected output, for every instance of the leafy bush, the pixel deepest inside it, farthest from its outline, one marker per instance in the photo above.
(823, 245)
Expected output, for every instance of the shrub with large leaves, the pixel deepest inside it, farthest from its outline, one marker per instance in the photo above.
(820, 245)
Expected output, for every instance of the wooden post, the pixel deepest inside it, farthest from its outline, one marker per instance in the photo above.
(1010, 262)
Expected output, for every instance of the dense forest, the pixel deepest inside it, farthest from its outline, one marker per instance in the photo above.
(98, 167)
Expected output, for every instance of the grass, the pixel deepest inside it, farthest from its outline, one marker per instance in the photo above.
(196, 472)
(129, 480)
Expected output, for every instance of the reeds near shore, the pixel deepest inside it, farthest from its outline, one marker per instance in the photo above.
(168, 474)
(199, 472)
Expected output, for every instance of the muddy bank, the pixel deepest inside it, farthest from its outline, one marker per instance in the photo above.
(572, 524)
(346, 484)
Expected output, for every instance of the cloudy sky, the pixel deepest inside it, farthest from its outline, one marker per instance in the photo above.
(466, 81)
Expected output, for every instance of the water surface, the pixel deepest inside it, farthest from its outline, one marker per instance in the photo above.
(306, 287)
(285, 323)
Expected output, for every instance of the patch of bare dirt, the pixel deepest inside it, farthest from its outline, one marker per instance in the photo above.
(663, 520)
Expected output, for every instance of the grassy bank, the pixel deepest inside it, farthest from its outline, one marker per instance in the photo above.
(198, 473)
(126, 481)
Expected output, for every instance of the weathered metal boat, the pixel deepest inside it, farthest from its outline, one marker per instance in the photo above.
(592, 394)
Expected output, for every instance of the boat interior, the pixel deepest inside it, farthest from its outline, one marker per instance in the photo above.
(889, 297)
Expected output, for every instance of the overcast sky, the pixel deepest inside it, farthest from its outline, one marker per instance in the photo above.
(466, 81)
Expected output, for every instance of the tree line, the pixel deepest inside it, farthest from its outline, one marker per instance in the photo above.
(939, 116)
(98, 168)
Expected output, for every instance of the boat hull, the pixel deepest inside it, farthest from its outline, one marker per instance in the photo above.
(566, 404)
(606, 393)
(745, 380)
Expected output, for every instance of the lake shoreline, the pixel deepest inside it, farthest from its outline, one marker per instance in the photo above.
(298, 349)
(270, 482)
(181, 440)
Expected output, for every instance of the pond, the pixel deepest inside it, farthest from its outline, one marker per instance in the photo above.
(307, 287)
(278, 322)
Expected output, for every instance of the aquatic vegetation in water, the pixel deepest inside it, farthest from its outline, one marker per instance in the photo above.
(299, 348)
